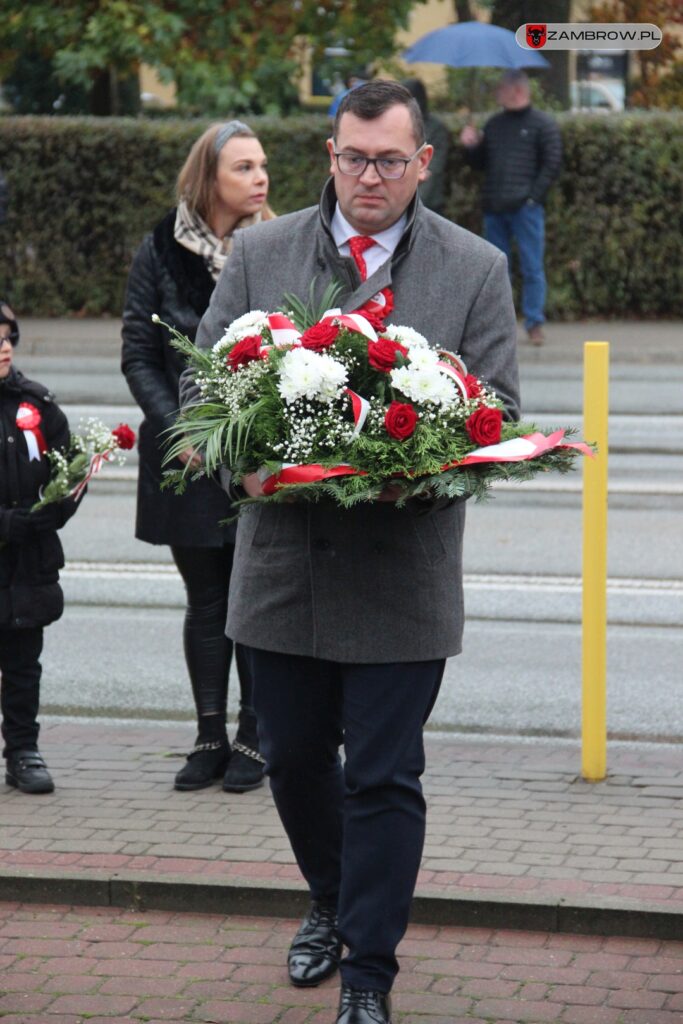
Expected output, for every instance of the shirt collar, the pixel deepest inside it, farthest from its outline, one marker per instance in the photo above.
(387, 239)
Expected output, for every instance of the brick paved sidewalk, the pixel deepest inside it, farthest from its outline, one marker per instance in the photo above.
(507, 820)
(66, 965)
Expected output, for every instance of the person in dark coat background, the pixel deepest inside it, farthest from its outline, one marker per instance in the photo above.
(222, 186)
(4, 199)
(434, 189)
(520, 153)
(31, 424)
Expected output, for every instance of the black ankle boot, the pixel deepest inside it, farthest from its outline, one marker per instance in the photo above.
(246, 768)
(205, 763)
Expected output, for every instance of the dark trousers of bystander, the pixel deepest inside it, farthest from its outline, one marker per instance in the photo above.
(357, 829)
(20, 668)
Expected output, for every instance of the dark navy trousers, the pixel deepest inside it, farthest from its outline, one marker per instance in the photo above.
(20, 672)
(357, 830)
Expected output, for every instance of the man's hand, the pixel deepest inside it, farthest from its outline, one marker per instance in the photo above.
(47, 519)
(392, 492)
(470, 136)
(252, 485)
(191, 457)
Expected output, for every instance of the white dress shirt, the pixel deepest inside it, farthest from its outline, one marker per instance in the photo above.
(385, 241)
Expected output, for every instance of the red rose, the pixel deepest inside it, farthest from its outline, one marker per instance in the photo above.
(382, 354)
(473, 386)
(320, 336)
(400, 420)
(245, 351)
(125, 437)
(484, 425)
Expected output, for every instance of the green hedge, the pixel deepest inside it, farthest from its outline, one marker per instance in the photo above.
(84, 191)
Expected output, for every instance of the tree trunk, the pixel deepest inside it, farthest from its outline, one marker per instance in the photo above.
(511, 14)
(114, 94)
(463, 11)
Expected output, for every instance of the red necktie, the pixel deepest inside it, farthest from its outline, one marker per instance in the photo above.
(358, 244)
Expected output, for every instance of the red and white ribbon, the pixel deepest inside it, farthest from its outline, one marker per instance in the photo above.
(453, 360)
(28, 420)
(354, 322)
(451, 372)
(361, 408)
(519, 449)
(283, 330)
(96, 463)
(310, 473)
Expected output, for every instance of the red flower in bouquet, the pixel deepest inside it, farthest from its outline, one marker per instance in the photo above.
(473, 386)
(245, 351)
(400, 420)
(382, 354)
(484, 426)
(125, 437)
(320, 336)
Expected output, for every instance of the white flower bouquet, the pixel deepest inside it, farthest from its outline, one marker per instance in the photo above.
(345, 407)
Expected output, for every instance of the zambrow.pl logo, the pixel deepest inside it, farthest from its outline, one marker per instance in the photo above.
(586, 36)
(536, 36)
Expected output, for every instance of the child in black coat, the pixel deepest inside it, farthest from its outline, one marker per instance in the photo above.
(31, 424)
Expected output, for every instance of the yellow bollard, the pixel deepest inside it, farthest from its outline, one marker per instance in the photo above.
(594, 605)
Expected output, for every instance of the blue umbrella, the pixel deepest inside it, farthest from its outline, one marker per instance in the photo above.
(473, 44)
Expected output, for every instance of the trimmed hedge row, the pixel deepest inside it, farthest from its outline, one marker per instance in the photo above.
(84, 191)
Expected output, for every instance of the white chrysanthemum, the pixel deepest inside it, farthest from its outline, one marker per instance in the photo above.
(333, 377)
(254, 322)
(405, 335)
(306, 374)
(425, 385)
(422, 358)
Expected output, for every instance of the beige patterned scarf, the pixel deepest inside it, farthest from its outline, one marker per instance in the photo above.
(192, 232)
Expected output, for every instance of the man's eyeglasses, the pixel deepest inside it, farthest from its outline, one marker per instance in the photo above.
(391, 167)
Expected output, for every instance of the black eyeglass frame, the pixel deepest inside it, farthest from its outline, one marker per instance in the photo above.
(376, 160)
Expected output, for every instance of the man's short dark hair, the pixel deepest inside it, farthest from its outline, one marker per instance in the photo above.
(373, 99)
(515, 77)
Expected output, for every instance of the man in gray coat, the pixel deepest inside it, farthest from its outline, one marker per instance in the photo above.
(350, 615)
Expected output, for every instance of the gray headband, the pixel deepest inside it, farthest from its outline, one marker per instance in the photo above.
(227, 131)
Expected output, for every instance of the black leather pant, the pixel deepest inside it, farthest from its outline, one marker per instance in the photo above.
(20, 667)
(208, 651)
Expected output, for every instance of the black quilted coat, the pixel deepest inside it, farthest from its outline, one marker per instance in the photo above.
(521, 154)
(30, 594)
(169, 280)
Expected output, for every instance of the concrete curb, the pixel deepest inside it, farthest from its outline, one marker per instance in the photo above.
(463, 908)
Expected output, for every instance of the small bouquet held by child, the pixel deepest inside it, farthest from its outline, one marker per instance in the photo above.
(341, 406)
(85, 456)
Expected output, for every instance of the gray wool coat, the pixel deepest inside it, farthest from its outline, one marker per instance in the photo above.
(375, 583)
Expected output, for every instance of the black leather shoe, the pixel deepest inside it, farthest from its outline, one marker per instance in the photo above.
(316, 950)
(28, 773)
(358, 1006)
(205, 764)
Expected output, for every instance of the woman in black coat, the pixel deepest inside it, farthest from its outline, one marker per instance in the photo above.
(223, 185)
(31, 424)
